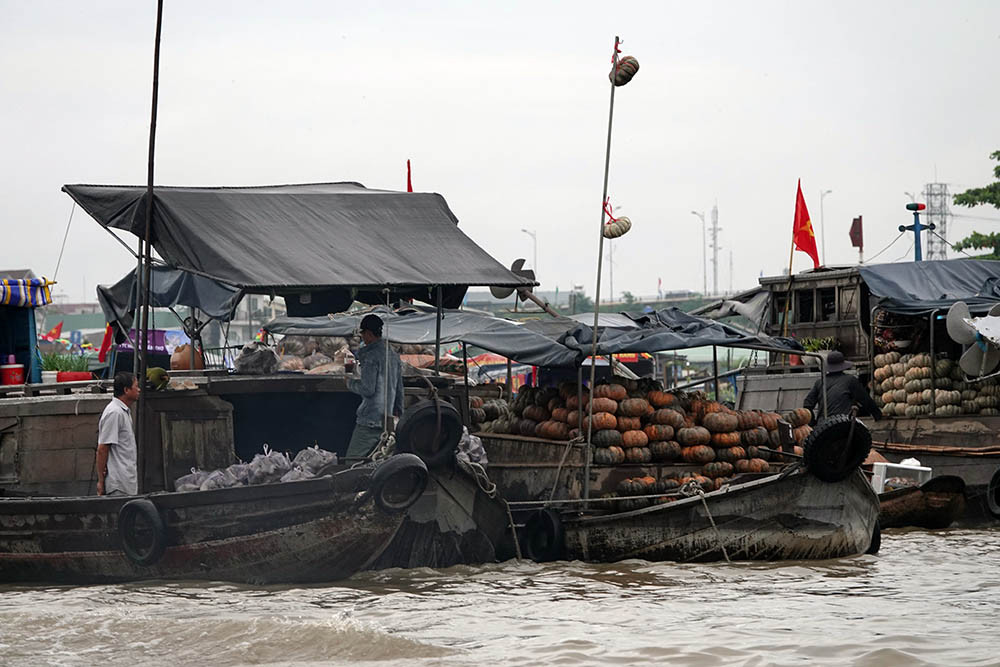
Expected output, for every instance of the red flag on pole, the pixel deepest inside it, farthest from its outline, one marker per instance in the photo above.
(803, 237)
(409, 183)
(53, 333)
(106, 343)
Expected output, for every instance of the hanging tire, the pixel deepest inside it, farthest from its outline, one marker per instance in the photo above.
(828, 454)
(142, 532)
(398, 482)
(544, 536)
(993, 495)
(876, 542)
(431, 429)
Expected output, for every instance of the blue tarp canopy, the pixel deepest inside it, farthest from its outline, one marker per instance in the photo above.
(914, 288)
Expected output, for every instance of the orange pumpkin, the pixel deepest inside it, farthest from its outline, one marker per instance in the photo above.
(694, 435)
(720, 422)
(601, 404)
(801, 433)
(657, 432)
(799, 417)
(666, 450)
(638, 455)
(698, 454)
(717, 469)
(573, 402)
(732, 454)
(601, 421)
(661, 399)
(629, 424)
(755, 436)
(769, 420)
(536, 413)
(749, 420)
(573, 418)
(668, 417)
(634, 439)
(475, 402)
(560, 415)
(725, 440)
(633, 407)
(615, 392)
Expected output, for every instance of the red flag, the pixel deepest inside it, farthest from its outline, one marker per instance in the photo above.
(109, 338)
(857, 236)
(53, 333)
(409, 183)
(802, 230)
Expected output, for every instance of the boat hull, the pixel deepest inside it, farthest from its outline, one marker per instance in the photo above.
(313, 530)
(779, 517)
(937, 503)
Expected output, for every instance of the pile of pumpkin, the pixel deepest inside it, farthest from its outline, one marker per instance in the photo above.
(638, 422)
(484, 412)
(916, 385)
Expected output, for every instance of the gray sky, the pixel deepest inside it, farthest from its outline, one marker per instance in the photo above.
(503, 109)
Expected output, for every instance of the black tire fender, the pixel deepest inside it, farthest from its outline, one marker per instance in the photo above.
(876, 542)
(828, 454)
(142, 554)
(419, 431)
(398, 482)
(544, 536)
(993, 495)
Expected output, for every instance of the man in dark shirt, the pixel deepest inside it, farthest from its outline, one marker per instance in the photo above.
(843, 391)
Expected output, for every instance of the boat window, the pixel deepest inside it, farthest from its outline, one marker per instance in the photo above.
(827, 304)
(778, 309)
(849, 303)
(804, 311)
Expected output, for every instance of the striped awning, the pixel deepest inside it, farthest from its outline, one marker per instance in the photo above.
(27, 293)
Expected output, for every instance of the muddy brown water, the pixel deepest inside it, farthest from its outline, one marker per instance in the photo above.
(928, 598)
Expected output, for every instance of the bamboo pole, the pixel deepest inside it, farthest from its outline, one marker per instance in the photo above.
(597, 291)
(146, 260)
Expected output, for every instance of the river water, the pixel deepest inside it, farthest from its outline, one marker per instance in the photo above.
(928, 598)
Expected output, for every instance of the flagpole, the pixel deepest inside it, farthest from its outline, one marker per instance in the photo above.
(788, 295)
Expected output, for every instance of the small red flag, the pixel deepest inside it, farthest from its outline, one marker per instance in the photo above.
(802, 230)
(109, 338)
(53, 333)
(857, 236)
(409, 183)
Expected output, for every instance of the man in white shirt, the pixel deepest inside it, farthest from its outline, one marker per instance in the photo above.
(116, 450)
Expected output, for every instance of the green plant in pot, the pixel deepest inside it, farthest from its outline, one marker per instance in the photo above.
(819, 345)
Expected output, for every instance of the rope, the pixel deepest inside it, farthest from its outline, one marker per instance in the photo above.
(886, 248)
(931, 231)
(691, 488)
(905, 254)
(63, 247)
(569, 445)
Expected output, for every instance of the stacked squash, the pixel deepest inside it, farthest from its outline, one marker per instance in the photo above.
(917, 385)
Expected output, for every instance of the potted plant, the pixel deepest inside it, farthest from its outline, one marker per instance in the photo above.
(821, 346)
(58, 367)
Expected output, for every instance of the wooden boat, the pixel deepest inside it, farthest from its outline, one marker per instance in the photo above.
(937, 503)
(793, 516)
(311, 530)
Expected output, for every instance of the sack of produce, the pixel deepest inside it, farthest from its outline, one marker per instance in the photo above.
(290, 362)
(256, 359)
(316, 359)
(295, 474)
(219, 479)
(241, 471)
(313, 459)
(268, 467)
(191, 482)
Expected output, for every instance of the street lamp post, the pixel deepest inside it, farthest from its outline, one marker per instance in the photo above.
(822, 222)
(534, 250)
(704, 255)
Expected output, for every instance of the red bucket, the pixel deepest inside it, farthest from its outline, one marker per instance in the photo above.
(12, 374)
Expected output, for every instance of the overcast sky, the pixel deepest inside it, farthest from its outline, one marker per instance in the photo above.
(503, 109)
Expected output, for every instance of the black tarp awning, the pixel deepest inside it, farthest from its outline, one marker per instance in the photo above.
(913, 288)
(668, 329)
(168, 288)
(417, 327)
(301, 238)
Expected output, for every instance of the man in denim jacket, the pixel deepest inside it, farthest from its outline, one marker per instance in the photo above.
(372, 388)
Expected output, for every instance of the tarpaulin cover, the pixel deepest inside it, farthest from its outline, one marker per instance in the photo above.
(418, 327)
(300, 237)
(169, 287)
(25, 293)
(912, 288)
(667, 329)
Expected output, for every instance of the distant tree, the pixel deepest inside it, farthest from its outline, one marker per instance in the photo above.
(628, 297)
(986, 195)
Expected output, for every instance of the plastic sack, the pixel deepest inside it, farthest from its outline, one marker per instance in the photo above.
(470, 449)
(312, 459)
(290, 362)
(256, 359)
(295, 474)
(219, 479)
(268, 467)
(316, 359)
(191, 482)
(299, 346)
(241, 471)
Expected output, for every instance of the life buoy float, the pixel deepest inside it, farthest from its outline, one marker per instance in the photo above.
(828, 455)
(145, 542)
(398, 482)
(431, 429)
(544, 536)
